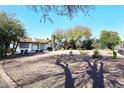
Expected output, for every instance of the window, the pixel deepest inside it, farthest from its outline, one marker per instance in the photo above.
(24, 45)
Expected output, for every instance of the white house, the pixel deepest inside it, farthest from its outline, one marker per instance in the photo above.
(33, 45)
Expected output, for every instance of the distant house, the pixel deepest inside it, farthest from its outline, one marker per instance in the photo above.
(33, 45)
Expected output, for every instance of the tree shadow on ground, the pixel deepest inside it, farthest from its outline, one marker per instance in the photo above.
(96, 74)
(69, 80)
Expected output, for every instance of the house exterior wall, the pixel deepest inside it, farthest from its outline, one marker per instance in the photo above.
(32, 47)
(43, 47)
(49, 45)
(18, 49)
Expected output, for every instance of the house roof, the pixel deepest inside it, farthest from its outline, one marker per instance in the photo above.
(36, 40)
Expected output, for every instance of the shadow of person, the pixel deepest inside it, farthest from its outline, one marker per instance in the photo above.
(96, 75)
(69, 81)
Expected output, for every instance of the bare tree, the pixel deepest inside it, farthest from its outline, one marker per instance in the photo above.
(60, 10)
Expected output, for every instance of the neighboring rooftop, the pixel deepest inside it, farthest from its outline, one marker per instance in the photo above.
(35, 40)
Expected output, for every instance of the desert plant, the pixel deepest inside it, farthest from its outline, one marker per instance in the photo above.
(84, 53)
(95, 54)
(114, 55)
(62, 49)
(70, 53)
(81, 53)
(87, 44)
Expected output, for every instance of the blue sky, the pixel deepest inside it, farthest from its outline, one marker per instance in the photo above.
(103, 17)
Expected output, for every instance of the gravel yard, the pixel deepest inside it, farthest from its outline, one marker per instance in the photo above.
(3, 84)
(63, 70)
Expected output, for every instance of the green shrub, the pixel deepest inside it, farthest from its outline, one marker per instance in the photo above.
(87, 44)
(70, 53)
(79, 48)
(83, 53)
(97, 45)
(114, 54)
(82, 48)
(62, 49)
(95, 54)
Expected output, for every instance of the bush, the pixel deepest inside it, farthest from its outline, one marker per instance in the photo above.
(97, 46)
(70, 53)
(83, 53)
(62, 48)
(79, 48)
(114, 54)
(87, 44)
(95, 54)
(49, 48)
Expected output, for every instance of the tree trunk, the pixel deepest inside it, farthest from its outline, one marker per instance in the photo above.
(14, 47)
(12, 51)
(6, 50)
(2, 51)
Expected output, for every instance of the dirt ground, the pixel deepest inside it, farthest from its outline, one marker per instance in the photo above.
(59, 71)
(3, 83)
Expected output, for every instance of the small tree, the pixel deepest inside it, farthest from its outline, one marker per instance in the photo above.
(95, 54)
(114, 55)
(87, 44)
(72, 37)
(11, 31)
(109, 39)
(96, 43)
